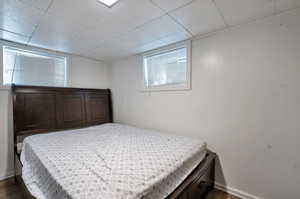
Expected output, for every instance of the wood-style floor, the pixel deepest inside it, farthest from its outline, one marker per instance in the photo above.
(10, 190)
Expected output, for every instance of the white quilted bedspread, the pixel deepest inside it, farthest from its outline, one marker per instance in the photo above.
(108, 161)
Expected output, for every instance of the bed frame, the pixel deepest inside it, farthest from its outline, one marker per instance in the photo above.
(46, 109)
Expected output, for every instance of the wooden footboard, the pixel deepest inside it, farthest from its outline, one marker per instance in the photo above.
(199, 182)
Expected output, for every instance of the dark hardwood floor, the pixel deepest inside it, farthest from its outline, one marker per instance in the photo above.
(10, 190)
(217, 194)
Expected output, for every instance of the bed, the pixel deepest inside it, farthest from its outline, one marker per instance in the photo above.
(67, 146)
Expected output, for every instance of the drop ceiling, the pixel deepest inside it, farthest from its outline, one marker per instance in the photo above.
(89, 28)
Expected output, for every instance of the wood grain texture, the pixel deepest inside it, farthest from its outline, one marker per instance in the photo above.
(199, 182)
(46, 109)
(96, 108)
(71, 110)
(11, 190)
(34, 112)
(217, 194)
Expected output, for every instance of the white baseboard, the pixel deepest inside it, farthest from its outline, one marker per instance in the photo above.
(8, 175)
(235, 192)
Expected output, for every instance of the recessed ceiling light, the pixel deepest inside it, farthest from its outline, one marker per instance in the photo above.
(108, 3)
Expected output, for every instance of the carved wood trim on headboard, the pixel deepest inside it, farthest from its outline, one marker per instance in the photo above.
(44, 109)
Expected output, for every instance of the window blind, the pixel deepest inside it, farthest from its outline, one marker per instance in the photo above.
(33, 68)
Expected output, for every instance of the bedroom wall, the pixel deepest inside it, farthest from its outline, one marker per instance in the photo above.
(85, 73)
(244, 102)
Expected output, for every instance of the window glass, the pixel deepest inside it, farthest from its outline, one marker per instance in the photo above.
(33, 68)
(166, 68)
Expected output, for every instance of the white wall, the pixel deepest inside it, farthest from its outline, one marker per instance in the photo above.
(84, 73)
(244, 103)
(6, 135)
(87, 73)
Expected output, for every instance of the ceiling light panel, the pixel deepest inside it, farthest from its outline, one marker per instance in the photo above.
(108, 3)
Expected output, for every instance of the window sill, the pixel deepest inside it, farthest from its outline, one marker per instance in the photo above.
(5, 88)
(166, 88)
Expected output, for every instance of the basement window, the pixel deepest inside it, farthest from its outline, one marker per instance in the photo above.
(23, 67)
(168, 68)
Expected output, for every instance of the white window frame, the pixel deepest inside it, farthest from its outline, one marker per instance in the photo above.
(33, 50)
(170, 87)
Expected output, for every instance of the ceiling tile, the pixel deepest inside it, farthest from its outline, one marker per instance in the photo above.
(199, 17)
(51, 25)
(38, 4)
(240, 11)
(18, 17)
(13, 37)
(161, 27)
(87, 14)
(132, 45)
(169, 5)
(4, 5)
(78, 7)
(120, 43)
(55, 34)
(9, 24)
(58, 44)
(112, 25)
(58, 30)
(150, 46)
(136, 12)
(107, 53)
(137, 36)
(175, 37)
(282, 5)
(62, 44)
(91, 16)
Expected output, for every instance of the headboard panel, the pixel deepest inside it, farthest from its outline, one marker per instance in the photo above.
(45, 109)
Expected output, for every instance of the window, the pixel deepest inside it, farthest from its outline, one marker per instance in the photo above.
(24, 67)
(168, 68)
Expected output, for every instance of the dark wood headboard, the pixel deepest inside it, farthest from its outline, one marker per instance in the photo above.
(45, 109)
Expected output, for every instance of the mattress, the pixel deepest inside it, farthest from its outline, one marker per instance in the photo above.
(108, 161)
